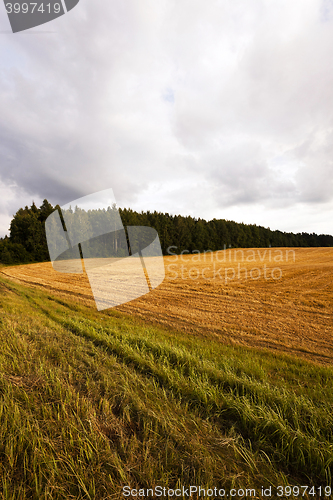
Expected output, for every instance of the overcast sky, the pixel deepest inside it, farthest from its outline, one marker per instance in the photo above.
(206, 108)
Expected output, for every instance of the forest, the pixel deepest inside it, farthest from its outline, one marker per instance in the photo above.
(27, 242)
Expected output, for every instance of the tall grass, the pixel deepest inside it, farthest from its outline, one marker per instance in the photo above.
(91, 402)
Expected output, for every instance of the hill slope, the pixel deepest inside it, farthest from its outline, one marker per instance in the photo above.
(91, 402)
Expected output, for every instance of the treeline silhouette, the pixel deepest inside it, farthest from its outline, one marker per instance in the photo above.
(27, 240)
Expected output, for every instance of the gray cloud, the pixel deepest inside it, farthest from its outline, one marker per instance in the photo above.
(178, 106)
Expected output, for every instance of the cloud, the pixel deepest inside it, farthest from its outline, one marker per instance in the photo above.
(178, 106)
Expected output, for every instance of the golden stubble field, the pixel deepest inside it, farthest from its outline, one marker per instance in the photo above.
(278, 298)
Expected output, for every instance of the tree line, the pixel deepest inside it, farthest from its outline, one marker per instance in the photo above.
(27, 240)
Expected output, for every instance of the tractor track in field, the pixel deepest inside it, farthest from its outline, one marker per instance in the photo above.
(292, 314)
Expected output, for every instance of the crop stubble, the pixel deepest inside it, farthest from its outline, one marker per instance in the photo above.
(293, 313)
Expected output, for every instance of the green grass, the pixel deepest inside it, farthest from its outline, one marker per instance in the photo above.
(92, 401)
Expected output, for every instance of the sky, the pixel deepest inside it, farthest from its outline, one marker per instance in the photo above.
(214, 109)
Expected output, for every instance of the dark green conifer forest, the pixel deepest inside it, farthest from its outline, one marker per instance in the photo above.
(27, 240)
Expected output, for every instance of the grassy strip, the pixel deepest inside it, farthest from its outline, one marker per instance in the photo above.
(93, 401)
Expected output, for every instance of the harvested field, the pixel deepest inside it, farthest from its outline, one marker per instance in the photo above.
(274, 298)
